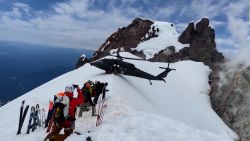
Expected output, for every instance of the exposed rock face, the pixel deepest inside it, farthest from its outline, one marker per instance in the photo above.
(126, 37)
(169, 54)
(232, 102)
(202, 43)
(202, 46)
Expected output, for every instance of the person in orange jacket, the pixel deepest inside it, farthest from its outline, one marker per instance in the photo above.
(68, 123)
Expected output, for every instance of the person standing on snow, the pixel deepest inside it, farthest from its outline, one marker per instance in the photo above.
(100, 88)
(88, 94)
(67, 121)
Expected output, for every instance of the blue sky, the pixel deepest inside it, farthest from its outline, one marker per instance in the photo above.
(87, 23)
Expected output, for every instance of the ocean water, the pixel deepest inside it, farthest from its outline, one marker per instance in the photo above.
(24, 67)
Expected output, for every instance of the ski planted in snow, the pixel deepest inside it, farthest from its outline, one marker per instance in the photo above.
(32, 112)
(36, 120)
(22, 116)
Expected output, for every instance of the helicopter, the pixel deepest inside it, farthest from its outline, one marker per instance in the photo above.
(118, 66)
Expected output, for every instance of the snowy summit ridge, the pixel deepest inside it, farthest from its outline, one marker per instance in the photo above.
(176, 110)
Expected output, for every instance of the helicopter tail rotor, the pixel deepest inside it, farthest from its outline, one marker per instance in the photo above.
(165, 73)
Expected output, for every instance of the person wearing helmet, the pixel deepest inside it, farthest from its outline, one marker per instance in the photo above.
(68, 122)
(88, 92)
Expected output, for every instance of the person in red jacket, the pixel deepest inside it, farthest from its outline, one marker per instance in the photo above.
(68, 123)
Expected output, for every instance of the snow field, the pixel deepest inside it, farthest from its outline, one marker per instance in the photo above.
(167, 37)
(178, 110)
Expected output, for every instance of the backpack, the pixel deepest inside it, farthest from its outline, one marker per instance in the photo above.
(89, 87)
(61, 107)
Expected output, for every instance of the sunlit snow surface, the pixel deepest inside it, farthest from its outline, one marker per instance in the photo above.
(167, 37)
(178, 110)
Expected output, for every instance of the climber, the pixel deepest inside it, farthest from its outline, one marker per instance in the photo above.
(100, 88)
(88, 92)
(64, 114)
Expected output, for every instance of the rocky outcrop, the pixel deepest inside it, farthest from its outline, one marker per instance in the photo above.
(127, 37)
(232, 102)
(169, 54)
(201, 38)
(81, 61)
(202, 43)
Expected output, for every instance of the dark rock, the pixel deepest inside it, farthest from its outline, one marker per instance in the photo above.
(166, 55)
(186, 36)
(81, 61)
(202, 43)
(232, 102)
(202, 25)
(127, 37)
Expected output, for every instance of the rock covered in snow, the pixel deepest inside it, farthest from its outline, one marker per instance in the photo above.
(81, 61)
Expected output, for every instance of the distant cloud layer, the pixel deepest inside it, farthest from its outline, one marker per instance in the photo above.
(87, 23)
(239, 32)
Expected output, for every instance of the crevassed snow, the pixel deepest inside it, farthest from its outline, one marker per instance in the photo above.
(167, 37)
(176, 110)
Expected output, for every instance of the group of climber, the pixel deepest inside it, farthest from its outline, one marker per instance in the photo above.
(65, 107)
(90, 90)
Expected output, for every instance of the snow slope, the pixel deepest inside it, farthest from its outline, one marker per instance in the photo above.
(167, 37)
(178, 110)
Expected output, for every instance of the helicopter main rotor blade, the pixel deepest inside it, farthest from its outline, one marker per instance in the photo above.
(127, 57)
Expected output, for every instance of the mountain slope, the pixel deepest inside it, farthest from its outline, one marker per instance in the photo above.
(176, 110)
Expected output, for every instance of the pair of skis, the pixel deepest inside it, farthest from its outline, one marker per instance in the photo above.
(101, 110)
(34, 120)
(22, 116)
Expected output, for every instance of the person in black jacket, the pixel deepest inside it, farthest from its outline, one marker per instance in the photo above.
(100, 88)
